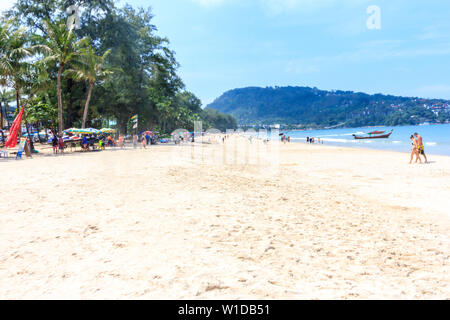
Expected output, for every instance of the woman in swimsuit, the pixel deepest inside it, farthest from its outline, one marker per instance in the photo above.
(414, 150)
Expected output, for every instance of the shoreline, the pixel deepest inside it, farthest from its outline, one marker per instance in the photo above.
(129, 147)
(371, 149)
(437, 141)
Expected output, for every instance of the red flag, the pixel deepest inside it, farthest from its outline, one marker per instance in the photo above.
(12, 138)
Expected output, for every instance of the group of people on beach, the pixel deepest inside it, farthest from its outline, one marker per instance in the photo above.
(313, 140)
(57, 144)
(417, 149)
(285, 139)
(88, 141)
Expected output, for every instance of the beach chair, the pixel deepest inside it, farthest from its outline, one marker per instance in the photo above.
(19, 154)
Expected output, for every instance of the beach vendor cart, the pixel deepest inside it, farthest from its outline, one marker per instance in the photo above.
(75, 137)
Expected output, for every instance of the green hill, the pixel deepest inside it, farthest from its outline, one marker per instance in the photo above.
(311, 107)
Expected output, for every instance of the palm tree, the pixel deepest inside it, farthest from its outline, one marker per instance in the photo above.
(89, 67)
(15, 55)
(62, 49)
(4, 66)
(5, 97)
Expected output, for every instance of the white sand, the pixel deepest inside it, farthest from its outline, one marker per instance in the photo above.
(331, 223)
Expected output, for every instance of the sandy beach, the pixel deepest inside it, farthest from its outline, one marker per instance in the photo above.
(161, 223)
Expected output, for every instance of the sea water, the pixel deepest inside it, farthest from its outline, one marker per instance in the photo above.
(436, 138)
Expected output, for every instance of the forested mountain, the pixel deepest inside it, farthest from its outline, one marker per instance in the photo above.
(311, 107)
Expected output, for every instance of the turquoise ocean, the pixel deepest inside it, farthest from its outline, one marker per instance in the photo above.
(436, 138)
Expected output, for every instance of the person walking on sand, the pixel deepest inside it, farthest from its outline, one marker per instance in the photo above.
(61, 144)
(121, 143)
(421, 148)
(414, 150)
(85, 143)
(135, 141)
(144, 141)
(55, 144)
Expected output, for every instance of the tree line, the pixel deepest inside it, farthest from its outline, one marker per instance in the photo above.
(113, 66)
(310, 107)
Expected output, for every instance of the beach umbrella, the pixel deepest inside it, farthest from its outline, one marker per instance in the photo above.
(72, 130)
(107, 130)
(91, 131)
(82, 131)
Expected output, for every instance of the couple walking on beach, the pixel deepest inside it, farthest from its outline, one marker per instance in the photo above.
(417, 148)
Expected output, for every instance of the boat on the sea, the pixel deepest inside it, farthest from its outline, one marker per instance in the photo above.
(375, 135)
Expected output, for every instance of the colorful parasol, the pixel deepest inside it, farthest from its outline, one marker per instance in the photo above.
(107, 130)
(82, 131)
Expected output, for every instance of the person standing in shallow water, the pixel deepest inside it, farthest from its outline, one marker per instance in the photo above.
(420, 146)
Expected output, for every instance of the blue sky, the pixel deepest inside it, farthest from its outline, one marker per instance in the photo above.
(225, 44)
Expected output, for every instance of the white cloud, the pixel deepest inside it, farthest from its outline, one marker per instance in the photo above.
(299, 67)
(275, 7)
(439, 90)
(382, 50)
(282, 6)
(439, 30)
(209, 3)
(6, 4)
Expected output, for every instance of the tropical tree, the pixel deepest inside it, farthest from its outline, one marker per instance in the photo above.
(15, 55)
(89, 67)
(150, 87)
(5, 96)
(42, 114)
(4, 65)
(62, 48)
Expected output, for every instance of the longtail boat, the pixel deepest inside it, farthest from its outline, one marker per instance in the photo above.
(373, 135)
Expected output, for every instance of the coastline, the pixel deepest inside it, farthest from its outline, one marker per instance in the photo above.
(436, 138)
(405, 153)
(332, 222)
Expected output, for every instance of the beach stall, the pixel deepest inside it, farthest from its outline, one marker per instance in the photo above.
(74, 136)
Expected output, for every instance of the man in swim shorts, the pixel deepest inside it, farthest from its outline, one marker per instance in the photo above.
(420, 146)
